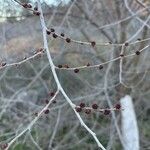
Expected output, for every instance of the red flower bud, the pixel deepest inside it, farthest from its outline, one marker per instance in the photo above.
(76, 70)
(82, 105)
(117, 106)
(68, 40)
(94, 106)
(78, 109)
(93, 43)
(106, 112)
(137, 52)
(46, 111)
(100, 67)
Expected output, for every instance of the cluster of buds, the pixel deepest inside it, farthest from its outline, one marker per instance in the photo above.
(63, 66)
(26, 5)
(68, 40)
(30, 7)
(95, 108)
(51, 94)
(46, 101)
(55, 35)
(62, 35)
(76, 70)
(49, 31)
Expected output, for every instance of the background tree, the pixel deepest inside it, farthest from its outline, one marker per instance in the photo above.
(111, 36)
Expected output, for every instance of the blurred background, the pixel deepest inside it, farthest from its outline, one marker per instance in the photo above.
(24, 88)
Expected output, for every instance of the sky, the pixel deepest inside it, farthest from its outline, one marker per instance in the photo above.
(53, 2)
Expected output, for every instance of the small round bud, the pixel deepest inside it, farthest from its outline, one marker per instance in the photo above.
(48, 32)
(52, 30)
(106, 112)
(139, 39)
(94, 106)
(137, 52)
(93, 43)
(68, 40)
(88, 64)
(46, 111)
(55, 35)
(52, 94)
(117, 106)
(78, 109)
(36, 8)
(100, 67)
(121, 55)
(62, 34)
(82, 105)
(60, 66)
(126, 44)
(76, 70)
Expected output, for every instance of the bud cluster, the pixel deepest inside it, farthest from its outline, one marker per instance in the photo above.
(95, 108)
(46, 101)
(30, 7)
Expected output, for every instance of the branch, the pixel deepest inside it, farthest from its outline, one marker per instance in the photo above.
(57, 80)
(28, 128)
